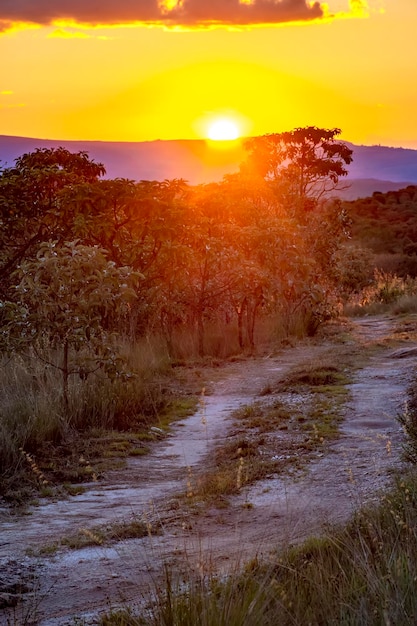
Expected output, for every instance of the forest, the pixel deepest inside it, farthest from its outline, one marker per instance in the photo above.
(105, 284)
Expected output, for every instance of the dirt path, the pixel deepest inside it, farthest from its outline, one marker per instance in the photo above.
(272, 512)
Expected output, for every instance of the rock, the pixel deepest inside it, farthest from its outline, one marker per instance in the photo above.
(154, 430)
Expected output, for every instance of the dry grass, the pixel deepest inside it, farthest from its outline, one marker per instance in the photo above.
(134, 528)
(387, 293)
(79, 442)
(278, 435)
(362, 573)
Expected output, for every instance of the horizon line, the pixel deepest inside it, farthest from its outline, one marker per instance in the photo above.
(194, 140)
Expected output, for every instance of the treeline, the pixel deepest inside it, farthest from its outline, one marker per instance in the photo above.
(261, 241)
(386, 223)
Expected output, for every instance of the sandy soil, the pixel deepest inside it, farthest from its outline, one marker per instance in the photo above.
(352, 471)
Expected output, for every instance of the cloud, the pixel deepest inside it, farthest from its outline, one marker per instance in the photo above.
(61, 33)
(191, 13)
(359, 8)
(233, 12)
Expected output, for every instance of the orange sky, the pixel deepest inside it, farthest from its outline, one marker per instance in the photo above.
(144, 70)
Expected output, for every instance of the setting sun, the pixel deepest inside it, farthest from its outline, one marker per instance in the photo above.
(223, 130)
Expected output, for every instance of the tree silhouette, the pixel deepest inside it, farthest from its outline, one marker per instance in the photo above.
(304, 164)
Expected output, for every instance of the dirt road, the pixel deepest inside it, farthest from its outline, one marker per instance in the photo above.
(273, 512)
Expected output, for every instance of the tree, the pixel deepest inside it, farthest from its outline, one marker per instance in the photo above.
(31, 202)
(304, 164)
(207, 245)
(301, 168)
(72, 297)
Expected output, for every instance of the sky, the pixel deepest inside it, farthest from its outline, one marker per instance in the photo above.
(139, 70)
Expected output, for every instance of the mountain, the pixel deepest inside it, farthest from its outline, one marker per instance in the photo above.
(354, 188)
(374, 168)
(383, 163)
(197, 161)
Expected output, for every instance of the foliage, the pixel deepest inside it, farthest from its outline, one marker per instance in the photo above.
(31, 202)
(386, 291)
(224, 253)
(71, 298)
(386, 224)
(305, 163)
(86, 262)
(353, 269)
(408, 421)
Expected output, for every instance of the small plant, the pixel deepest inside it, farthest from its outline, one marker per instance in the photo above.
(135, 528)
(315, 375)
(122, 617)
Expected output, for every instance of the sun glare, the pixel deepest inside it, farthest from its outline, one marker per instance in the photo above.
(223, 130)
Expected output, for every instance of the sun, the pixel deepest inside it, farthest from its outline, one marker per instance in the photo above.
(223, 130)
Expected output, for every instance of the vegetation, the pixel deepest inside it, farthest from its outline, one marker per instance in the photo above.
(408, 420)
(386, 292)
(134, 528)
(304, 164)
(386, 224)
(257, 446)
(91, 266)
(363, 573)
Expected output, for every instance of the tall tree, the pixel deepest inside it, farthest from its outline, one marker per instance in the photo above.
(304, 164)
(31, 201)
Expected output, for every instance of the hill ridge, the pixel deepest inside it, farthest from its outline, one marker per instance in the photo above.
(374, 167)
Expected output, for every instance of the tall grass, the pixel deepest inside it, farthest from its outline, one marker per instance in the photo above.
(33, 414)
(388, 292)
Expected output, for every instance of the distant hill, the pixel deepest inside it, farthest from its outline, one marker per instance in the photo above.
(374, 168)
(194, 160)
(383, 163)
(354, 188)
